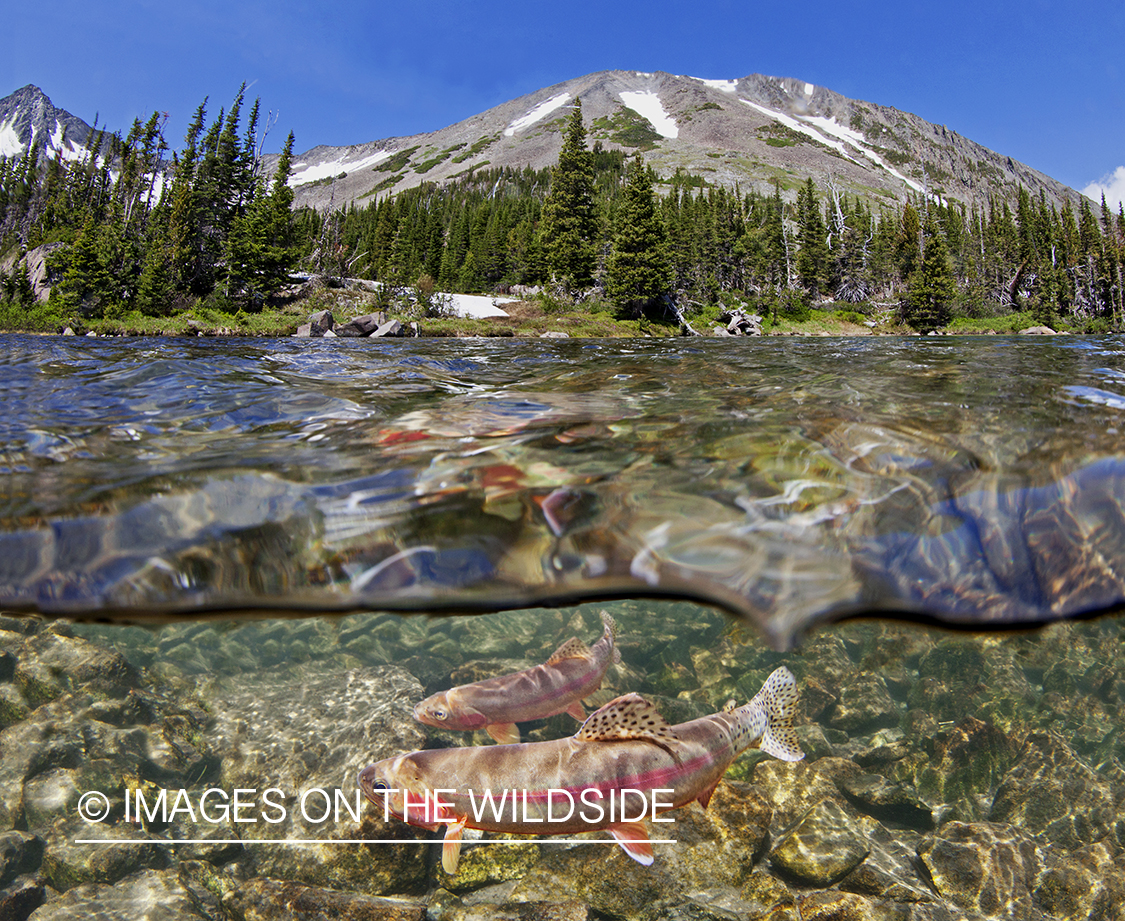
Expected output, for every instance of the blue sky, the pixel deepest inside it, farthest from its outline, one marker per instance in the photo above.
(1042, 81)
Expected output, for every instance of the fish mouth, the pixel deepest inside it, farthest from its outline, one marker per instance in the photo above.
(366, 782)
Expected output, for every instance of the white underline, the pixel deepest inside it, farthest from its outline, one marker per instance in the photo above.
(123, 841)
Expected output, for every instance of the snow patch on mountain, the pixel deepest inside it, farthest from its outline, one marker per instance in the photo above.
(790, 121)
(727, 86)
(858, 141)
(647, 104)
(303, 173)
(10, 145)
(832, 134)
(834, 128)
(540, 111)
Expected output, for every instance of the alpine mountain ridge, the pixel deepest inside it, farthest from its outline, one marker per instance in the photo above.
(752, 132)
(27, 115)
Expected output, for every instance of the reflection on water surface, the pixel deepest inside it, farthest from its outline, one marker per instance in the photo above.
(965, 480)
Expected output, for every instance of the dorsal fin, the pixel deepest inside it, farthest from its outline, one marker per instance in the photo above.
(627, 717)
(729, 706)
(573, 648)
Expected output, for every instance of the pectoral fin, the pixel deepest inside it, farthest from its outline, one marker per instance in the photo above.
(577, 711)
(504, 733)
(633, 838)
(705, 797)
(451, 849)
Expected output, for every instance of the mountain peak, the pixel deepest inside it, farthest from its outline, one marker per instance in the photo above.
(28, 113)
(752, 132)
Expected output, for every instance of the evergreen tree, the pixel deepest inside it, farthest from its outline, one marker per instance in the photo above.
(15, 286)
(183, 221)
(259, 253)
(453, 256)
(812, 258)
(81, 270)
(929, 298)
(908, 242)
(154, 287)
(638, 268)
(469, 277)
(569, 225)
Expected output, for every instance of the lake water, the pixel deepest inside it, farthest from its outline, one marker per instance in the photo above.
(272, 510)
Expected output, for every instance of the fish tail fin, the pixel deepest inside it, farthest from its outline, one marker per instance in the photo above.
(611, 632)
(778, 700)
(610, 624)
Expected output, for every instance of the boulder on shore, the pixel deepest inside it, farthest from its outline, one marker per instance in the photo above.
(320, 322)
(361, 326)
(390, 328)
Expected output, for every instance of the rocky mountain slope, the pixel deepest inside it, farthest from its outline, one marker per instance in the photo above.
(752, 131)
(28, 113)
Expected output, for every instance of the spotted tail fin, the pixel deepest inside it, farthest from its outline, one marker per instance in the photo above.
(778, 699)
(611, 632)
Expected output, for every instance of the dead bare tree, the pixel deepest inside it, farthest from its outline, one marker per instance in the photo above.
(851, 278)
(838, 224)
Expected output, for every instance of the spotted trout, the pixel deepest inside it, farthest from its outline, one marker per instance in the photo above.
(573, 671)
(624, 764)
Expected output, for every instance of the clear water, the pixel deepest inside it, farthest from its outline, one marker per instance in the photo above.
(292, 521)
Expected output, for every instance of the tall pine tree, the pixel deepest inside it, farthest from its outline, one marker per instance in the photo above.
(639, 268)
(259, 250)
(812, 257)
(931, 289)
(569, 227)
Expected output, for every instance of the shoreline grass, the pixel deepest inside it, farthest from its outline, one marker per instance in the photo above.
(537, 318)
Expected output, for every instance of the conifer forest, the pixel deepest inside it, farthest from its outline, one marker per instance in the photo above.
(144, 230)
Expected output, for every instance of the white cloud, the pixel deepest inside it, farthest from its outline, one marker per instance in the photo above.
(1112, 185)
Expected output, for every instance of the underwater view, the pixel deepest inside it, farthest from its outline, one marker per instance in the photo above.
(782, 629)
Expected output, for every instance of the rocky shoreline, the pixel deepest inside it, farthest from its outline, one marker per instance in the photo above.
(946, 777)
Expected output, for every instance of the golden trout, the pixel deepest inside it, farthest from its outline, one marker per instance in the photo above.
(573, 671)
(624, 764)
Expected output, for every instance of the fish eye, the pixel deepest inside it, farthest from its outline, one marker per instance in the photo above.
(379, 785)
(438, 713)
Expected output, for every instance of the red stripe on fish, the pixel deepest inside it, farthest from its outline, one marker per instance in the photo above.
(623, 749)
